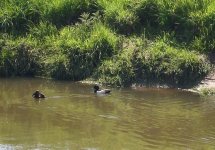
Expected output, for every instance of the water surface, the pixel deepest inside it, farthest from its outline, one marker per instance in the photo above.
(73, 117)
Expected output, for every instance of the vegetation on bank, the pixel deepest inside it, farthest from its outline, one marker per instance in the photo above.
(204, 91)
(117, 42)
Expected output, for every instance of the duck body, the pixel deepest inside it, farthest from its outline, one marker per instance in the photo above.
(98, 91)
(37, 94)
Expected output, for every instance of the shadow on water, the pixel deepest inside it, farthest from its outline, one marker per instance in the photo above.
(73, 117)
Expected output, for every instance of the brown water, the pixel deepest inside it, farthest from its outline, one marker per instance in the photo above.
(73, 117)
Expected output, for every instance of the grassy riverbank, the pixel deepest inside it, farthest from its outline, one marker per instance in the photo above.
(116, 42)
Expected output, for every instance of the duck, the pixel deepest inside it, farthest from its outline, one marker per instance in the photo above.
(38, 94)
(98, 91)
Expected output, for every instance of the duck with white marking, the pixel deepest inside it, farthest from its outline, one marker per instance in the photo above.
(98, 91)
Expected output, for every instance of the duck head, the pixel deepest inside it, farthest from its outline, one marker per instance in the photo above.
(96, 88)
(37, 94)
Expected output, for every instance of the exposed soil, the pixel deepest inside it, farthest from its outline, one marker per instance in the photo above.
(209, 81)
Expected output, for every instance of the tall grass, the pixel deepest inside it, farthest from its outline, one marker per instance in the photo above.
(119, 14)
(18, 57)
(154, 63)
(118, 41)
(42, 30)
(78, 53)
(66, 12)
(204, 41)
(15, 15)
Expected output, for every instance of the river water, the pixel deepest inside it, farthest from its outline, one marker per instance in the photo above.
(73, 117)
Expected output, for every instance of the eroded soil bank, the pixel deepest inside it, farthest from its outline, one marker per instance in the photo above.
(207, 85)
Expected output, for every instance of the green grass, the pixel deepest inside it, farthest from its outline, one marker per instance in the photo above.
(207, 91)
(18, 57)
(78, 53)
(154, 62)
(117, 42)
(119, 15)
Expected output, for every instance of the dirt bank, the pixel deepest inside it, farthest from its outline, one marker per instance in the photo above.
(208, 83)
